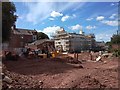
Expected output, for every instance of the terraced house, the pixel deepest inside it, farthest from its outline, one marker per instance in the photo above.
(20, 37)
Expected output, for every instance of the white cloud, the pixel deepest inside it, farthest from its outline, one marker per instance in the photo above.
(22, 17)
(103, 37)
(67, 5)
(112, 4)
(79, 6)
(74, 15)
(36, 14)
(89, 19)
(19, 16)
(64, 18)
(99, 18)
(110, 23)
(55, 14)
(90, 27)
(51, 19)
(50, 30)
(43, 23)
(113, 16)
(76, 27)
(106, 35)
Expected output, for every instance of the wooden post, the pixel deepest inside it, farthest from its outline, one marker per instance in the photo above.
(74, 55)
(77, 56)
(91, 55)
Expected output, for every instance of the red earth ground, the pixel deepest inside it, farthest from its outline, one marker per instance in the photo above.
(62, 73)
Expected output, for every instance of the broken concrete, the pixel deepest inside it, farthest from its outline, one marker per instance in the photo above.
(98, 58)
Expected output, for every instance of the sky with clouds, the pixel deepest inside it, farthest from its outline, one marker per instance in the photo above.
(100, 18)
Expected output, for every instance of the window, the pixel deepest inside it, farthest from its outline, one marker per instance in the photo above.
(59, 42)
(34, 37)
(67, 42)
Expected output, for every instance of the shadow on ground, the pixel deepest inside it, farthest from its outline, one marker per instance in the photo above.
(39, 66)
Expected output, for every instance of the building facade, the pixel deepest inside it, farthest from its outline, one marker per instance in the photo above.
(72, 42)
(101, 46)
(20, 37)
(43, 44)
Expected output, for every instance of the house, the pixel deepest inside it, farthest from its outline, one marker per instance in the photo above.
(71, 42)
(100, 46)
(43, 44)
(20, 37)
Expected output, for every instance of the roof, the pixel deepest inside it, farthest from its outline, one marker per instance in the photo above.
(24, 31)
(40, 41)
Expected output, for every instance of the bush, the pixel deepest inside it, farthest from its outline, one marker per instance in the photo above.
(116, 53)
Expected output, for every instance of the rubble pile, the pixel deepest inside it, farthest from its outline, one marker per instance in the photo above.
(89, 82)
(18, 81)
(68, 59)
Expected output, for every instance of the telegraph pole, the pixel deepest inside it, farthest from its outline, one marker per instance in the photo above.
(118, 32)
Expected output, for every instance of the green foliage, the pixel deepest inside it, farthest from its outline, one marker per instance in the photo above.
(8, 19)
(109, 46)
(42, 35)
(115, 39)
(116, 53)
(108, 43)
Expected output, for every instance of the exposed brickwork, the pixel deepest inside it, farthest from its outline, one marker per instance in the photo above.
(21, 37)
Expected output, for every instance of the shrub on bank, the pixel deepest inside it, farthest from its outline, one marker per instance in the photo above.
(116, 53)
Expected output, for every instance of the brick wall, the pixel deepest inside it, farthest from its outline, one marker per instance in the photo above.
(19, 41)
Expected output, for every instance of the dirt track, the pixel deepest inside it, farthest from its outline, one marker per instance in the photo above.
(56, 73)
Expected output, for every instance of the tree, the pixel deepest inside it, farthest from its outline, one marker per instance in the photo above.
(8, 19)
(42, 35)
(115, 39)
(107, 43)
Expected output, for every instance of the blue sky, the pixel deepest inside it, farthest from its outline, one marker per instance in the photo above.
(100, 18)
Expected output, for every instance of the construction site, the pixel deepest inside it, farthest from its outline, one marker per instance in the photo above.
(44, 45)
(65, 62)
(60, 70)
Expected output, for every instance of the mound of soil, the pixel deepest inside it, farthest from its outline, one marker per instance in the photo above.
(60, 73)
(20, 81)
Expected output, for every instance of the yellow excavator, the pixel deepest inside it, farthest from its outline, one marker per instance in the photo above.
(54, 52)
